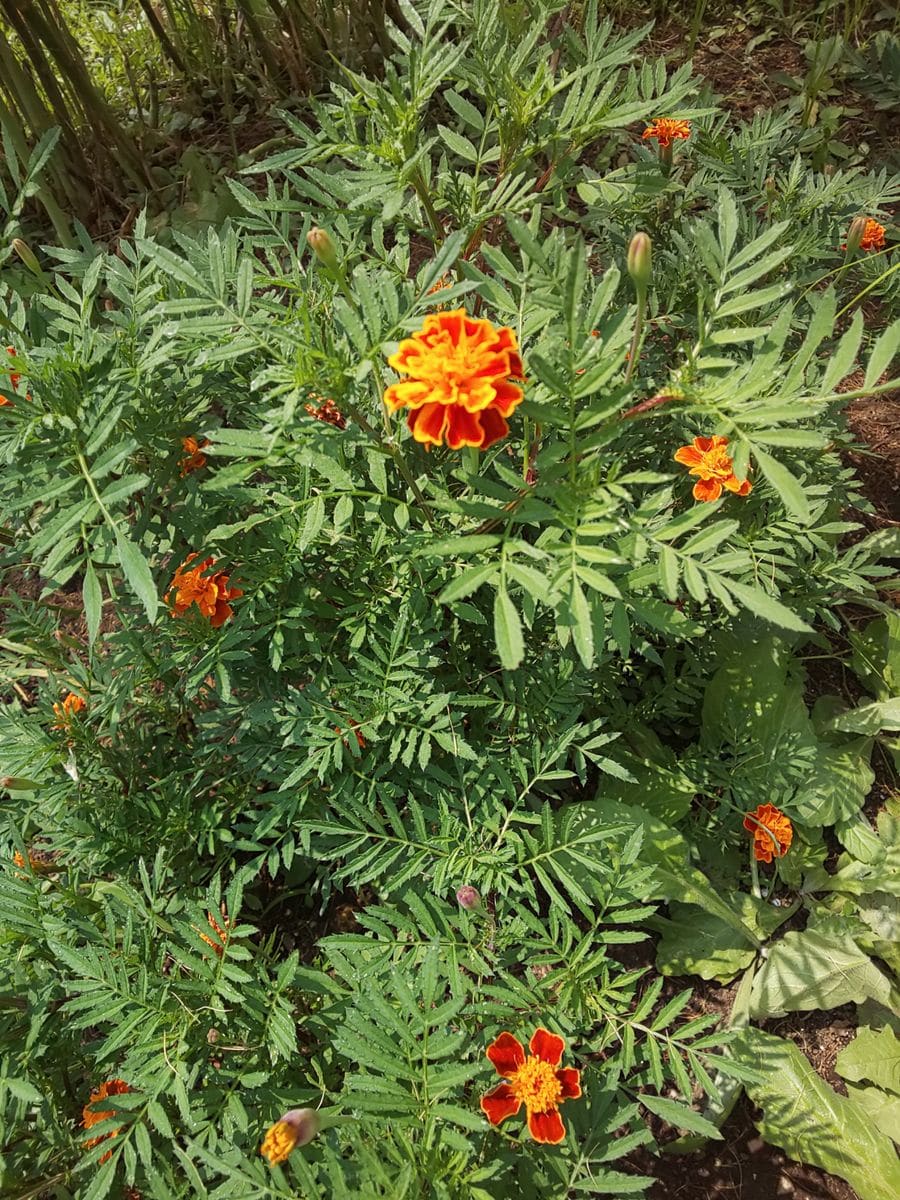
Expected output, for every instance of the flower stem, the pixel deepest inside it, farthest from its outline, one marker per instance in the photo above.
(635, 351)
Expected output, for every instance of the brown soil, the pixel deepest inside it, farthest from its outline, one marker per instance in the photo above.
(875, 423)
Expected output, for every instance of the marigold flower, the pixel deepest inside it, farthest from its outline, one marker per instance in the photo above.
(296, 1128)
(64, 712)
(666, 130)
(537, 1081)
(459, 388)
(89, 1117)
(38, 860)
(328, 412)
(210, 593)
(871, 236)
(708, 459)
(772, 832)
(194, 458)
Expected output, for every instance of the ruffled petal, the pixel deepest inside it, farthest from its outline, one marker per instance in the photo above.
(547, 1127)
(704, 444)
(463, 428)
(547, 1046)
(500, 1104)
(506, 397)
(707, 489)
(570, 1081)
(506, 1053)
(409, 393)
(494, 426)
(427, 424)
(688, 456)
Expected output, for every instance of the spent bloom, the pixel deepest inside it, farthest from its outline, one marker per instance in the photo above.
(326, 411)
(295, 1128)
(211, 593)
(459, 387)
(221, 933)
(537, 1081)
(194, 458)
(665, 130)
(709, 460)
(89, 1116)
(64, 712)
(772, 832)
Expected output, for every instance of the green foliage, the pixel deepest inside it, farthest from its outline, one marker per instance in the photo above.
(542, 671)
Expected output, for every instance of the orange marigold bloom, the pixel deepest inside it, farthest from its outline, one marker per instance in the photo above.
(537, 1081)
(194, 457)
(210, 593)
(295, 1128)
(872, 238)
(772, 832)
(112, 1087)
(64, 712)
(328, 412)
(459, 389)
(666, 130)
(708, 459)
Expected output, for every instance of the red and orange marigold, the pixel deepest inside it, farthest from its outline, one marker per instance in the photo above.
(64, 712)
(872, 238)
(537, 1081)
(772, 832)
(89, 1116)
(211, 593)
(194, 458)
(665, 130)
(459, 388)
(708, 459)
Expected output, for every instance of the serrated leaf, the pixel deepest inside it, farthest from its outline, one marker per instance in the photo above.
(761, 604)
(680, 1116)
(507, 631)
(137, 572)
(785, 484)
(92, 599)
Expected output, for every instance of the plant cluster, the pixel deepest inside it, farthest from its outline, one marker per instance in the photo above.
(408, 587)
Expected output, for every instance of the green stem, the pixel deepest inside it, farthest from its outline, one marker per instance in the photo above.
(635, 351)
(866, 290)
(82, 462)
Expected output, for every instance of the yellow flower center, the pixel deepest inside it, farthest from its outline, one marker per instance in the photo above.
(279, 1142)
(717, 463)
(536, 1085)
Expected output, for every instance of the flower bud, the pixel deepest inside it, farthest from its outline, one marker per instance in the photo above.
(296, 1128)
(855, 234)
(771, 189)
(323, 247)
(469, 898)
(27, 255)
(639, 262)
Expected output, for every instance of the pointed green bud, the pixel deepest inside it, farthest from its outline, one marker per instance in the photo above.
(323, 248)
(640, 260)
(855, 235)
(27, 255)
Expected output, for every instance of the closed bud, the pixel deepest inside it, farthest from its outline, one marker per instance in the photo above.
(323, 247)
(295, 1128)
(469, 898)
(771, 189)
(27, 255)
(855, 234)
(640, 264)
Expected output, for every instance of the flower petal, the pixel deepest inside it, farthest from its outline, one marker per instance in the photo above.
(707, 489)
(506, 1053)
(688, 456)
(463, 428)
(500, 1104)
(570, 1080)
(547, 1127)
(427, 424)
(547, 1046)
(494, 426)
